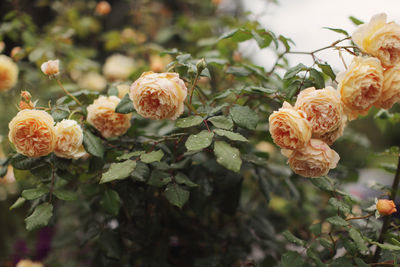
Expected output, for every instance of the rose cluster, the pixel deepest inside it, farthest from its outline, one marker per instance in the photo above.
(318, 118)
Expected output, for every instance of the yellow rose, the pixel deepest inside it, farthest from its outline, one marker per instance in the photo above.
(28, 263)
(32, 133)
(322, 107)
(159, 95)
(360, 86)
(390, 89)
(289, 127)
(69, 140)
(102, 115)
(118, 67)
(379, 39)
(51, 67)
(8, 73)
(92, 81)
(314, 160)
(123, 89)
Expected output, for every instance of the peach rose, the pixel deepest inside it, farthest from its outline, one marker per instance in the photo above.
(102, 115)
(51, 67)
(123, 89)
(28, 263)
(332, 136)
(314, 160)
(360, 86)
(386, 207)
(159, 95)
(32, 133)
(390, 89)
(8, 73)
(289, 127)
(92, 81)
(322, 107)
(103, 8)
(118, 67)
(379, 39)
(69, 140)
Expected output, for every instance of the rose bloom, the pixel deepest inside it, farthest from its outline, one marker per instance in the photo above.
(32, 133)
(385, 207)
(8, 73)
(103, 8)
(92, 81)
(390, 89)
(322, 107)
(28, 263)
(379, 39)
(51, 67)
(314, 160)
(157, 63)
(289, 127)
(123, 89)
(69, 140)
(102, 115)
(360, 86)
(118, 67)
(332, 136)
(159, 95)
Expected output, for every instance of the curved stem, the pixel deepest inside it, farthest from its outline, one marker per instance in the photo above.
(361, 217)
(68, 93)
(386, 221)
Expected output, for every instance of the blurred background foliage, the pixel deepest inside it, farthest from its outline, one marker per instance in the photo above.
(231, 219)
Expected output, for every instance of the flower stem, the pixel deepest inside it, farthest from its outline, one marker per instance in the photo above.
(361, 217)
(68, 93)
(386, 221)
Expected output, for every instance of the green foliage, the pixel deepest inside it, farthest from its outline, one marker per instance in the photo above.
(40, 216)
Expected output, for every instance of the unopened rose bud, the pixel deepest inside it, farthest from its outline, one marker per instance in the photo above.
(51, 67)
(26, 95)
(103, 8)
(216, 2)
(25, 105)
(16, 53)
(385, 207)
(201, 65)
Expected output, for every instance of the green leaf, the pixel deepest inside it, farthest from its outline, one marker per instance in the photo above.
(111, 202)
(125, 106)
(356, 236)
(238, 71)
(343, 207)
(323, 183)
(118, 171)
(181, 178)
(93, 144)
(152, 156)
(22, 162)
(263, 38)
(327, 70)
(18, 203)
(189, 121)
(244, 117)
(356, 21)
(312, 255)
(293, 239)
(34, 193)
(231, 135)
(227, 156)
(176, 195)
(337, 30)
(318, 79)
(141, 172)
(199, 141)
(65, 194)
(292, 72)
(159, 178)
(221, 122)
(3, 171)
(336, 220)
(131, 154)
(40, 217)
(361, 263)
(292, 259)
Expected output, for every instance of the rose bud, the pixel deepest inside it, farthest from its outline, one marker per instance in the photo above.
(103, 8)
(51, 67)
(385, 207)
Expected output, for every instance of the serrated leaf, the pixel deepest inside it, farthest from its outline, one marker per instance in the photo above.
(292, 72)
(199, 141)
(131, 154)
(22, 162)
(111, 202)
(18, 203)
(159, 178)
(336, 220)
(93, 144)
(118, 171)
(189, 121)
(337, 30)
(238, 71)
(244, 117)
(227, 156)
(231, 135)
(181, 178)
(323, 183)
(40, 216)
(152, 156)
(125, 106)
(361, 263)
(356, 236)
(343, 207)
(292, 259)
(318, 79)
(293, 239)
(34, 193)
(221, 122)
(65, 194)
(176, 195)
(327, 70)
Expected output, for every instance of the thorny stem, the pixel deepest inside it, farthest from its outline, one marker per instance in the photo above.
(68, 93)
(386, 221)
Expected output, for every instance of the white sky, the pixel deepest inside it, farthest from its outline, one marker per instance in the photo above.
(303, 22)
